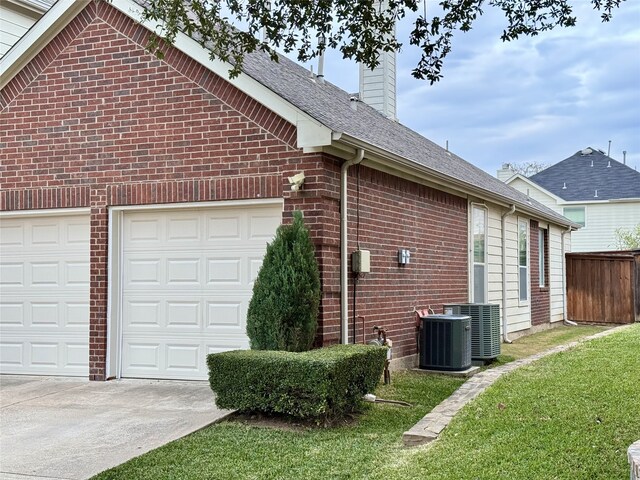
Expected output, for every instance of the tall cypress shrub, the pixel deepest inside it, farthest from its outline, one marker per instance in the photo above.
(283, 312)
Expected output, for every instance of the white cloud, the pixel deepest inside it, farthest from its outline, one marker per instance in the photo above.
(534, 99)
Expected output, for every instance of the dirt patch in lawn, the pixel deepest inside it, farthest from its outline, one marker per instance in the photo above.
(288, 423)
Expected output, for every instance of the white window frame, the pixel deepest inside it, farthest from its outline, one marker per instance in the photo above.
(472, 262)
(542, 258)
(526, 268)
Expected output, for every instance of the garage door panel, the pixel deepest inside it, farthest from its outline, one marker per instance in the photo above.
(222, 228)
(186, 290)
(77, 232)
(262, 227)
(184, 230)
(76, 273)
(46, 232)
(184, 314)
(45, 356)
(226, 315)
(11, 235)
(143, 231)
(184, 358)
(44, 295)
(75, 355)
(142, 313)
(50, 313)
(143, 357)
(185, 270)
(11, 355)
(45, 273)
(12, 314)
(223, 270)
(40, 271)
(76, 315)
(12, 274)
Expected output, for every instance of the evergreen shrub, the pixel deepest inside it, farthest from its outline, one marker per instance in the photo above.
(283, 312)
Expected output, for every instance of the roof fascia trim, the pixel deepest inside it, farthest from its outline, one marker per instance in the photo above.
(37, 37)
(310, 132)
(600, 202)
(377, 155)
(34, 6)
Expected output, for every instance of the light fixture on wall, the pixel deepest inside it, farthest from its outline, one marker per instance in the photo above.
(296, 181)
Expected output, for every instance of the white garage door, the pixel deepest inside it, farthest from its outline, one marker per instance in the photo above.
(187, 281)
(44, 295)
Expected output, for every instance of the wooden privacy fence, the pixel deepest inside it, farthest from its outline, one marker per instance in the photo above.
(603, 287)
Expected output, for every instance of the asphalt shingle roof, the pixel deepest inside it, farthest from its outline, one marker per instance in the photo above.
(578, 177)
(330, 106)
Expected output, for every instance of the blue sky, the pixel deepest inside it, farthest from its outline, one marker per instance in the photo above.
(536, 99)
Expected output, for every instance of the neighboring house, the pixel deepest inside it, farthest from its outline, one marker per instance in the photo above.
(16, 17)
(591, 189)
(138, 195)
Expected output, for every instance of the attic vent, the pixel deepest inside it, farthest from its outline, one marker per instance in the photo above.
(586, 151)
(353, 101)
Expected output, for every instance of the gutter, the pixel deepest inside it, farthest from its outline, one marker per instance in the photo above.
(566, 320)
(511, 211)
(344, 285)
(398, 162)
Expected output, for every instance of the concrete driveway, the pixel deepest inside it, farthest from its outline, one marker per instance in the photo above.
(66, 428)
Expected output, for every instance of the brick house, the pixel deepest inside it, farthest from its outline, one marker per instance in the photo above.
(138, 195)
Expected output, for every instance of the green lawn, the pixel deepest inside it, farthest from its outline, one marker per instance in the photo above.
(233, 450)
(571, 415)
(538, 342)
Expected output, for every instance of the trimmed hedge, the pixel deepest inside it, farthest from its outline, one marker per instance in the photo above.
(325, 383)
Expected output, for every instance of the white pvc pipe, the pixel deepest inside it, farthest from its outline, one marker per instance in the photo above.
(344, 285)
(505, 336)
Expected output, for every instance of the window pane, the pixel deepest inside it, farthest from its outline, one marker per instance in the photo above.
(479, 233)
(522, 243)
(523, 283)
(575, 214)
(478, 284)
(541, 256)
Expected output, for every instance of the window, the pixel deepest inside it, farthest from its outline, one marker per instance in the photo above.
(523, 260)
(575, 214)
(479, 239)
(542, 256)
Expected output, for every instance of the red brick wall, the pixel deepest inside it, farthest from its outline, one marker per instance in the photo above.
(394, 214)
(540, 306)
(93, 121)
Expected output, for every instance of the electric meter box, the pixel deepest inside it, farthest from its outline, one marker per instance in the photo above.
(361, 261)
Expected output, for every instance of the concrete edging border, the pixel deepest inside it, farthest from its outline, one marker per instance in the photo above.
(634, 460)
(433, 423)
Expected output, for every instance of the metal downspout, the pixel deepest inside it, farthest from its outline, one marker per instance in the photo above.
(344, 285)
(505, 336)
(564, 282)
